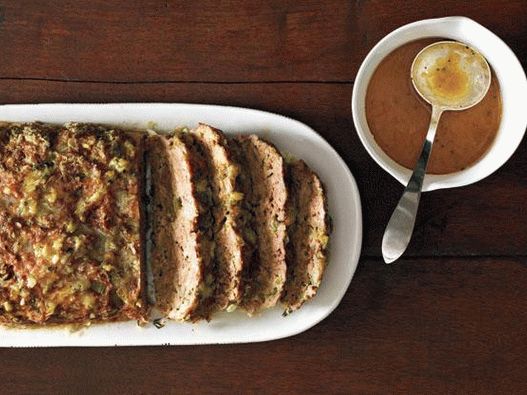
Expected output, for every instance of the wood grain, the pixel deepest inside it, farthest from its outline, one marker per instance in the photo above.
(208, 40)
(448, 318)
(487, 218)
(420, 326)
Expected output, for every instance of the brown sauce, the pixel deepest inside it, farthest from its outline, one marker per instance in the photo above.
(398, 118)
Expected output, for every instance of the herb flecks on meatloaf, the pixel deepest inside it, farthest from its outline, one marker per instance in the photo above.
(70, 224)
(229, 244)
(205, 243)
(266, 198)
(177, 267)
(308, 236)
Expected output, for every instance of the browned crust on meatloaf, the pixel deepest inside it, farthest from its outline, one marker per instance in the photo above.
(177, 268)
(308, 236)
(140, 141)
(267, 198)
(228, 256)
(71, 246)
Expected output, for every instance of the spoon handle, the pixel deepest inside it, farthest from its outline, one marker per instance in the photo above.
(401, 225)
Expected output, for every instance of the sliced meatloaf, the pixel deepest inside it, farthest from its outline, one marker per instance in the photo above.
(205, 244)
(266, 198)
(229, 257)
(177, 265)
(308, 236)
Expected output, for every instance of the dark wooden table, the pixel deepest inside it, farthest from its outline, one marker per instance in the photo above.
(449, 317)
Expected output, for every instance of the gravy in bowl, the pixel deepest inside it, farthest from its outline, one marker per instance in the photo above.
(398, 118)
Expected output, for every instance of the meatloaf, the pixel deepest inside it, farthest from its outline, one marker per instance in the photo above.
(71, 248)
(308, 236)
(201, 173)
(266, 197)
(176, 264)
(229, 257)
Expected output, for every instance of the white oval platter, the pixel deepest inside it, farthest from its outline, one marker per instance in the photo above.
(289, 136)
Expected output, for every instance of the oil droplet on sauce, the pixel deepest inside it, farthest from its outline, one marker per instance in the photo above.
(447, 78)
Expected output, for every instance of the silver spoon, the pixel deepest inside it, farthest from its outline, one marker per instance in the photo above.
(450, 76)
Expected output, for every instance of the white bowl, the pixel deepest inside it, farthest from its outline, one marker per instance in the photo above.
(507, 68)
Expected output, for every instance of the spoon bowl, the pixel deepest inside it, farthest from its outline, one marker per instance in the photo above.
(450, 76)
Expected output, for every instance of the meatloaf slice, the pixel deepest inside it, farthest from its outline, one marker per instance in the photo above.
(308, 236)
(176, 264)
(205, 244)
(266, 197)
(229, 244)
